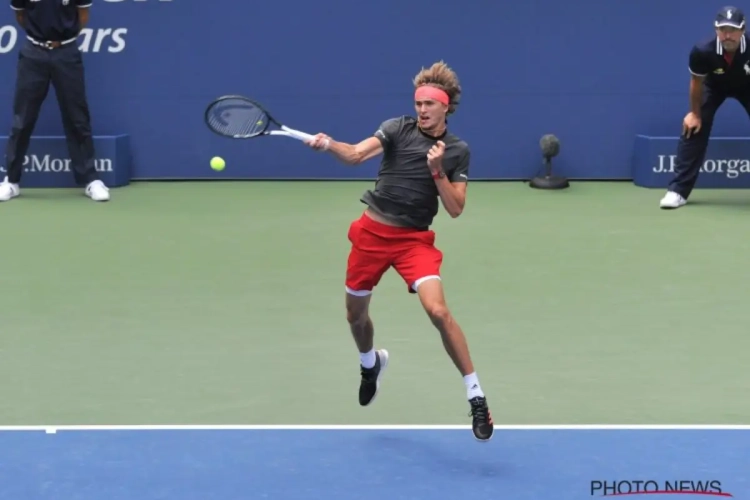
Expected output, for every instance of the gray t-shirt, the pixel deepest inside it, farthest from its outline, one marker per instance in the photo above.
(405, 191)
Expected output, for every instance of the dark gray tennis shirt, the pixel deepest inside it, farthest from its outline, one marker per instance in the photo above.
(405, 191)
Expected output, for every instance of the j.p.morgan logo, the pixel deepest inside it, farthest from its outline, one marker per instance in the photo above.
(729, 167)
(50, 164)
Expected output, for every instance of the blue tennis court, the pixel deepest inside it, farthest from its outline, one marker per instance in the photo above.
(339, 463)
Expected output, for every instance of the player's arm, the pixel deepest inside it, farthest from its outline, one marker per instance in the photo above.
(699, 68)
(83, 11)
(452, 187)
(19, 7)
(354, 154)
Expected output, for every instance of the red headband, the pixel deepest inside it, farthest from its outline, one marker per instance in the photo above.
(430, 92)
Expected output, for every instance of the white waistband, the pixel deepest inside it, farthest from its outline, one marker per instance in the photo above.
(44, 44)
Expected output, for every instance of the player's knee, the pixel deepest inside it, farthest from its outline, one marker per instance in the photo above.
(357, 310)
(438, 313)
(356, 317)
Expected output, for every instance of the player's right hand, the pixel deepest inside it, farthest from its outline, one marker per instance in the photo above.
(691, 124)
(320, 142)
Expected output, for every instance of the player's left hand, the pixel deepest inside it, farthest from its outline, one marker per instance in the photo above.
(435, 157)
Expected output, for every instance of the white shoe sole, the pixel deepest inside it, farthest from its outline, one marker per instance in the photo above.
(671, 207)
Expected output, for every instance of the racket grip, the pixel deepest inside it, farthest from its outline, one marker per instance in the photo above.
(297, 134)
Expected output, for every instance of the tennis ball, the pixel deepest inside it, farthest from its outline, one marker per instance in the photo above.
(217, 163)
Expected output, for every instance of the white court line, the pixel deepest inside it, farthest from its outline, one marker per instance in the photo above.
(627, 427)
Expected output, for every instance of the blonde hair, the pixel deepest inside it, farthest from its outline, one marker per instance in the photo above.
(440, 75)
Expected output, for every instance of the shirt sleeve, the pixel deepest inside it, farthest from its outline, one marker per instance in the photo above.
(461, 172)
(18, 4)
(388, 132)
(83, 3)
(699, 64)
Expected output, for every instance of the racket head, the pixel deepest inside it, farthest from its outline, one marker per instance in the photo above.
(237, 117)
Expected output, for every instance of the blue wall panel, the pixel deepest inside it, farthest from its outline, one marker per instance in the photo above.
(594, 73)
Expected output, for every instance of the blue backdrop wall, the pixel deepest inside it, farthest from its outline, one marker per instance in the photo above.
(594, 73)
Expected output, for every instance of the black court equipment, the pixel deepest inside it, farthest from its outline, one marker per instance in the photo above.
(238, 117)
(550, 146)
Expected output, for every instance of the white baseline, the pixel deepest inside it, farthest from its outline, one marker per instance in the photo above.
(51, 429)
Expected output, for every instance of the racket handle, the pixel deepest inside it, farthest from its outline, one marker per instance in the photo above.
(297, 134)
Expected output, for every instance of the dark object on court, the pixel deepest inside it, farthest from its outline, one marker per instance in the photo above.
(550, 148)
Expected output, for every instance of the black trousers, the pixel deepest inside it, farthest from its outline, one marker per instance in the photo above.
(37, 69)
(691, 151)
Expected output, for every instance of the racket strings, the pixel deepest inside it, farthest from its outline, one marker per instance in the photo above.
(237, 118)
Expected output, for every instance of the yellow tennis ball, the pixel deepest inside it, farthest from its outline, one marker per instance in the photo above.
(217, 163)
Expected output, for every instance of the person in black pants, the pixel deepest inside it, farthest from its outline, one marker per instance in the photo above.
(720, 69)
(51, 55)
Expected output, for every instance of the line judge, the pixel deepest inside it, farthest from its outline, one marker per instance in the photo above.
(51, 56)
(720, 69)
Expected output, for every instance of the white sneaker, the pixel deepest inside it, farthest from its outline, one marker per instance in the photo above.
(672, 200)
(8, 190)
(97, 191)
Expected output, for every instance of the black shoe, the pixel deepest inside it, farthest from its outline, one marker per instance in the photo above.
(481, 422)
(370, 384)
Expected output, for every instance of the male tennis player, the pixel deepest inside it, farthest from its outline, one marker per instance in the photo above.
(720, 69)
(422, 162)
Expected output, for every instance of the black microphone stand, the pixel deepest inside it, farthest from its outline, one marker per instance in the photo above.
(549, 181)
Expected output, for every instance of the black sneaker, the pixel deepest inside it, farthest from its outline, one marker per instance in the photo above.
(481, 419)
(370, 384)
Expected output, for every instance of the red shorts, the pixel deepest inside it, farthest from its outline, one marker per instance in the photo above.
(376, 247)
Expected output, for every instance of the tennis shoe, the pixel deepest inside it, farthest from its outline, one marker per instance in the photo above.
(370, 381)
(672, 200)
(97, 191)
(481, 423)
(8, 191)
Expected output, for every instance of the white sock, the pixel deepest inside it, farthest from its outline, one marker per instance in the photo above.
(367, 358)
(473, 389)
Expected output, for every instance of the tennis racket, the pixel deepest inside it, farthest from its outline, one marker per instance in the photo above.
(241, 118)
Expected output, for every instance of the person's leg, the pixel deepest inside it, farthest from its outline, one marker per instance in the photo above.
(691, 152)
(32, 86)
(744, 100)
(364, 269)
(68, 78)
(360, 324)
(372, 362)
(432, 297)
(419, 266)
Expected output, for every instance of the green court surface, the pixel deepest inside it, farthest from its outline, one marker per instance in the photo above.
(222, 303)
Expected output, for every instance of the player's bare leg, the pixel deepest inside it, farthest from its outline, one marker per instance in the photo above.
(373, 363)
(433, 300)
(432, 297)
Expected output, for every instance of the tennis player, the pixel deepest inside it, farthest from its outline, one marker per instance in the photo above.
(422, 163)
